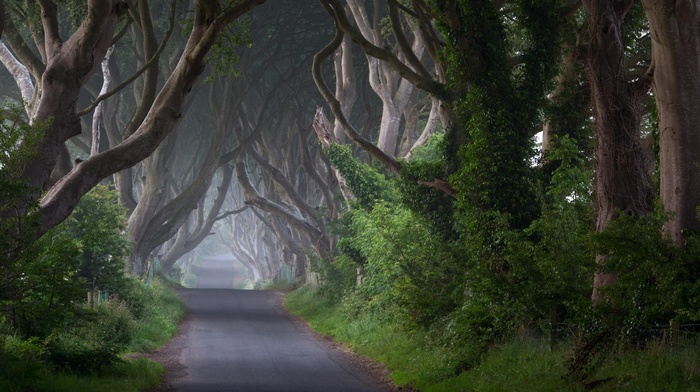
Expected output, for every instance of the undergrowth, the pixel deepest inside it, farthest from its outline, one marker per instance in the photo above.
(524, 364)
(78, 359)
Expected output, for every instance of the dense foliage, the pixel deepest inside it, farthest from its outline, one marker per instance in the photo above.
(46, 318)
(514, 252)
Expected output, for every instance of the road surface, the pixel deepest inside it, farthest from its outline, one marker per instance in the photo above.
(237, 340)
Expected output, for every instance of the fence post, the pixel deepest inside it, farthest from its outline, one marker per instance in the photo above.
(553, 326)
(675, 332)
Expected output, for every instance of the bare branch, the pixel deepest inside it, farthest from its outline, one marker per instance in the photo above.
(403, 42)
(25, 55)
(165, 112)
(149, 64)
(390, 163)
(229, 213)
(335, 9)
(440, 185)
(49, 13)
(20, 74)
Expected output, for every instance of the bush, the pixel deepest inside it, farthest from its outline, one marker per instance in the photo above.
(68, 351)
(337, 278)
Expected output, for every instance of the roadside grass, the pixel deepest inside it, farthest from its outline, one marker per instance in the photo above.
(162, 313)
(128, 376)
(657, 368)
(522, 365)
(23, 364)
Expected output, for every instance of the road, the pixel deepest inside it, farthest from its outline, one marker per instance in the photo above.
(237, 340)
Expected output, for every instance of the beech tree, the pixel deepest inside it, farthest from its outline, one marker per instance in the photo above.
(69, 64)
(622, 183)
(676, 61)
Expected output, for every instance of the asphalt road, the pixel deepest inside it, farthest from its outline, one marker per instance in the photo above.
(236, 340)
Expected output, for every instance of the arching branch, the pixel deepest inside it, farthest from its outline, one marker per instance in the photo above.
(336, 11)
(390, 163)
(153, 60)
(403, 42)
(229, 213)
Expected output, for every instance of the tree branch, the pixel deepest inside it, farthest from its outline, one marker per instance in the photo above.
(25, 55)
(254, 198)
(49, 20)
(61, 199)
(403, 42)
(390, 163)
(440, 185)
(149, 64)
(2, 17)
(20, 74)
(229, 213)
(336, 11)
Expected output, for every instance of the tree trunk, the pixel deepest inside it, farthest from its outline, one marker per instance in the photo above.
(622, 182)
(21, 75)
(676, 61)
(70, 63)
(163, 115)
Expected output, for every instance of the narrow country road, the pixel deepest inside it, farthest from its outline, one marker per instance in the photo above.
(237, 340)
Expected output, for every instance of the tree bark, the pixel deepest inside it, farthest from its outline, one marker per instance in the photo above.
(21, 75)
(163, 115)
(70, 63)
(676, 65)
(622, 182)
(97, 117)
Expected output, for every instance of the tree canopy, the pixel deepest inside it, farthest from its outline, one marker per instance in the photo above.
(474, 166)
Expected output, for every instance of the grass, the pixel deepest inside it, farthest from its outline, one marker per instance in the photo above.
(409, 358)
(128, 376)
(522, 365)
(657, 368)
(23, 369)
(162, 314)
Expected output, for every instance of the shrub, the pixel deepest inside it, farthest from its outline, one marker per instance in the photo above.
(69, 351)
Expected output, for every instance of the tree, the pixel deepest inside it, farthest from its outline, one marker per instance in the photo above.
(622, 184)
(69, 64)
(675, 53)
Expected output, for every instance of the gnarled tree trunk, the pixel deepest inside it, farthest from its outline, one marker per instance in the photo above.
(622, 181)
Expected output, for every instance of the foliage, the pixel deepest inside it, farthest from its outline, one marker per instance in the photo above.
(405, 268)
(368, 185)
(158, 320)
(85, 251)
(655, 283)
(99, 221)
(18, 205)
(434, 206)
(86, 354)
(409, 271)
(338, 277)
(522, 364)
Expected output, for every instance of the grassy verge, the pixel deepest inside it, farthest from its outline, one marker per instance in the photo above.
(25, 365)
(522, 366)
(162, 313)
(128, 376)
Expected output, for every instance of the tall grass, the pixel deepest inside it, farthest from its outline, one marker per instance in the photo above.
(128, 376)
(523, 365)
(410, 357)
(24, 365)
(162, 312)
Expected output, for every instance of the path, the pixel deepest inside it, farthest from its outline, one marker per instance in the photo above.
(237, 340)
